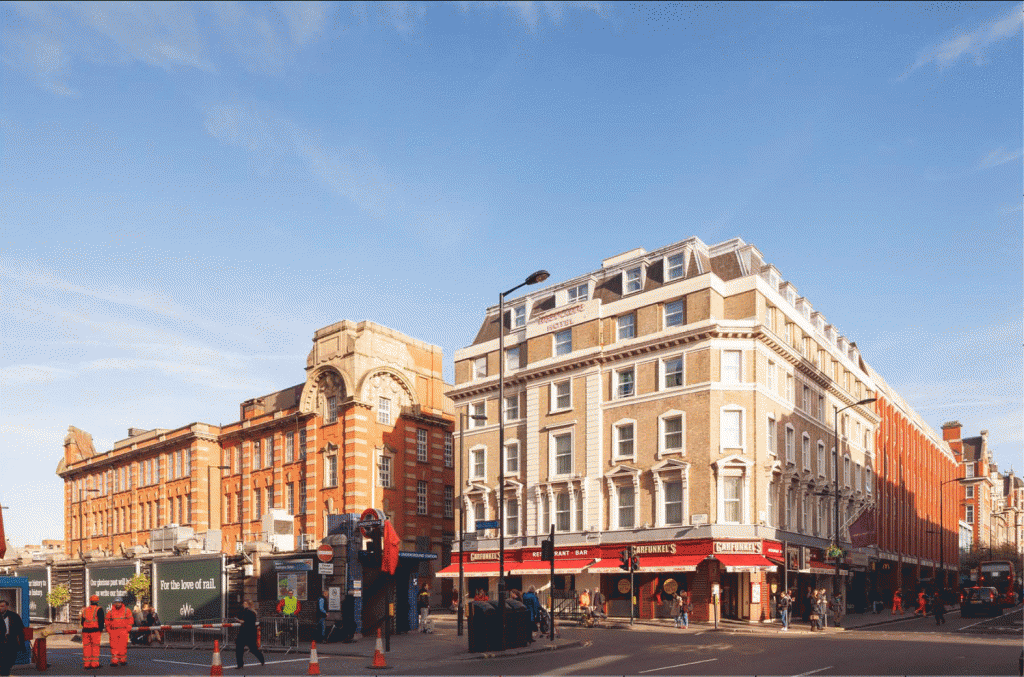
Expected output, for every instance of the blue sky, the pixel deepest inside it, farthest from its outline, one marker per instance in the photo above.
(188, 191)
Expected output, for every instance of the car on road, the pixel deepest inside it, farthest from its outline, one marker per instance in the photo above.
(980, 601)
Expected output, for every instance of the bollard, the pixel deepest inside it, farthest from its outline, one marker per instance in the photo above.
(39, 652)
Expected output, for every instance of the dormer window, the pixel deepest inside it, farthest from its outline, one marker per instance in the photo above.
(633, 280)
(577, 294)
(519, 317)
(675, 266)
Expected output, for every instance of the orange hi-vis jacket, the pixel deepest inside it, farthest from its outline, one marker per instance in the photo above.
(119, 619)
(90, 618)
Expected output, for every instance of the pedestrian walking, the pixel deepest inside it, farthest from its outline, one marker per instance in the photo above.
(815, 610)
(119, 623)
(897, 603)
(423, 605)
(92, 631)
(321, 615)
(247, 636)
(939, 609)
(12, 637)
(785, 605)
(922, 604)
(532, 603)
(455, 601)
(876, 601)
(597, 601)
(838, 609)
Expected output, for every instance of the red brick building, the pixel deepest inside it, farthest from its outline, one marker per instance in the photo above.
(918, 500)
(369, 427)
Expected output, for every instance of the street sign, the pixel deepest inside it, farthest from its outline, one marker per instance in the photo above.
(486, 524)
(325, 553)
(327, 568)
(470, 545)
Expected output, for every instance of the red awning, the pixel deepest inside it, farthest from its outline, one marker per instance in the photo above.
(651, 564)
(471, 569)
(539, 568)
(740, 563)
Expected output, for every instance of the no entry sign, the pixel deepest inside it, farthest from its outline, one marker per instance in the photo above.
(325, 553)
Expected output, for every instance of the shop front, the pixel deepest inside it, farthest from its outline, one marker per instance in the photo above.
(740, 569)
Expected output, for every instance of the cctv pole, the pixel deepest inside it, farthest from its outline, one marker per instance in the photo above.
(632, 589)
(551, 589)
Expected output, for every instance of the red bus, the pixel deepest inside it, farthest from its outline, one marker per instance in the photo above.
(999, 574)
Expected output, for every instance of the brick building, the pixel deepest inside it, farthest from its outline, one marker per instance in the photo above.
(982, 488)
(918, 538)
(370, 426)
(680, 401)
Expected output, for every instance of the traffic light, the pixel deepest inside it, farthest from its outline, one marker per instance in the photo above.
(634, 563)
(547, 550)
(624, 558)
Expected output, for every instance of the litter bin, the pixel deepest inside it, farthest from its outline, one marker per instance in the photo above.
(518, 628)
(483, 627)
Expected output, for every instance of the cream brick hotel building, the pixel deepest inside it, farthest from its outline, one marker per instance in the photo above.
(680, 401)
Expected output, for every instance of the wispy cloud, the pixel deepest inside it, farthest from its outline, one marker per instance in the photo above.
(999, 156)
(353, 172)
(973, 44)
(530, 14)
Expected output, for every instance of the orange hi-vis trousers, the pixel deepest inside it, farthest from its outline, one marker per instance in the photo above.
(118, 646)
(91, 649)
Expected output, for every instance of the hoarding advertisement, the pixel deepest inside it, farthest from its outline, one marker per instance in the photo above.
(108, 582)
(39, 608)
(189, 590)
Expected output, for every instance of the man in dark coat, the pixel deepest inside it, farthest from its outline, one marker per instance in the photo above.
(247, 636)
(12, 637)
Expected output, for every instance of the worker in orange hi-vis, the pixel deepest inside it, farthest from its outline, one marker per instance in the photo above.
(119, 622)
(92, 630)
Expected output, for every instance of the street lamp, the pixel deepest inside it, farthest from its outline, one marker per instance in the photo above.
(536, 277)
(81, 525)
(209, 496)
(1005, 523)
(835, 480)
(462, 510)
(941, 530)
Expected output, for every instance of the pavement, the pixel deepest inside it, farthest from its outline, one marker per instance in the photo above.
(446, 644)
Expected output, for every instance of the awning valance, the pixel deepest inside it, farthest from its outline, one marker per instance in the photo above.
(650, 564)
(539, 568)
(471, 569)
(745, 563)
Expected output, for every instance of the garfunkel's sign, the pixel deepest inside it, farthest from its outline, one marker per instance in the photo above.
(656, 549)
(738, 547)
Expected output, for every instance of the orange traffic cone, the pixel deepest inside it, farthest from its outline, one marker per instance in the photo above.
(378, 654)
(216, 669)
(314, 662)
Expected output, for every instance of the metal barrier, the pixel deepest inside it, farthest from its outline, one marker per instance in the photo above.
(280, 632)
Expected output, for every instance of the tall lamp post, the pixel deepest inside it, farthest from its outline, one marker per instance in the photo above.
(942, 530)
(835, 479)
(81, 525)
(462, 511)
(1005, 523)
(534, 278)
(209, 494)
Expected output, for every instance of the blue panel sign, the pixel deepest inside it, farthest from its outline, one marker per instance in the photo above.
(293, 565)
(486, 524)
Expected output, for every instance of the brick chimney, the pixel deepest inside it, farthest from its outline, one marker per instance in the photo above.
(951, 430)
